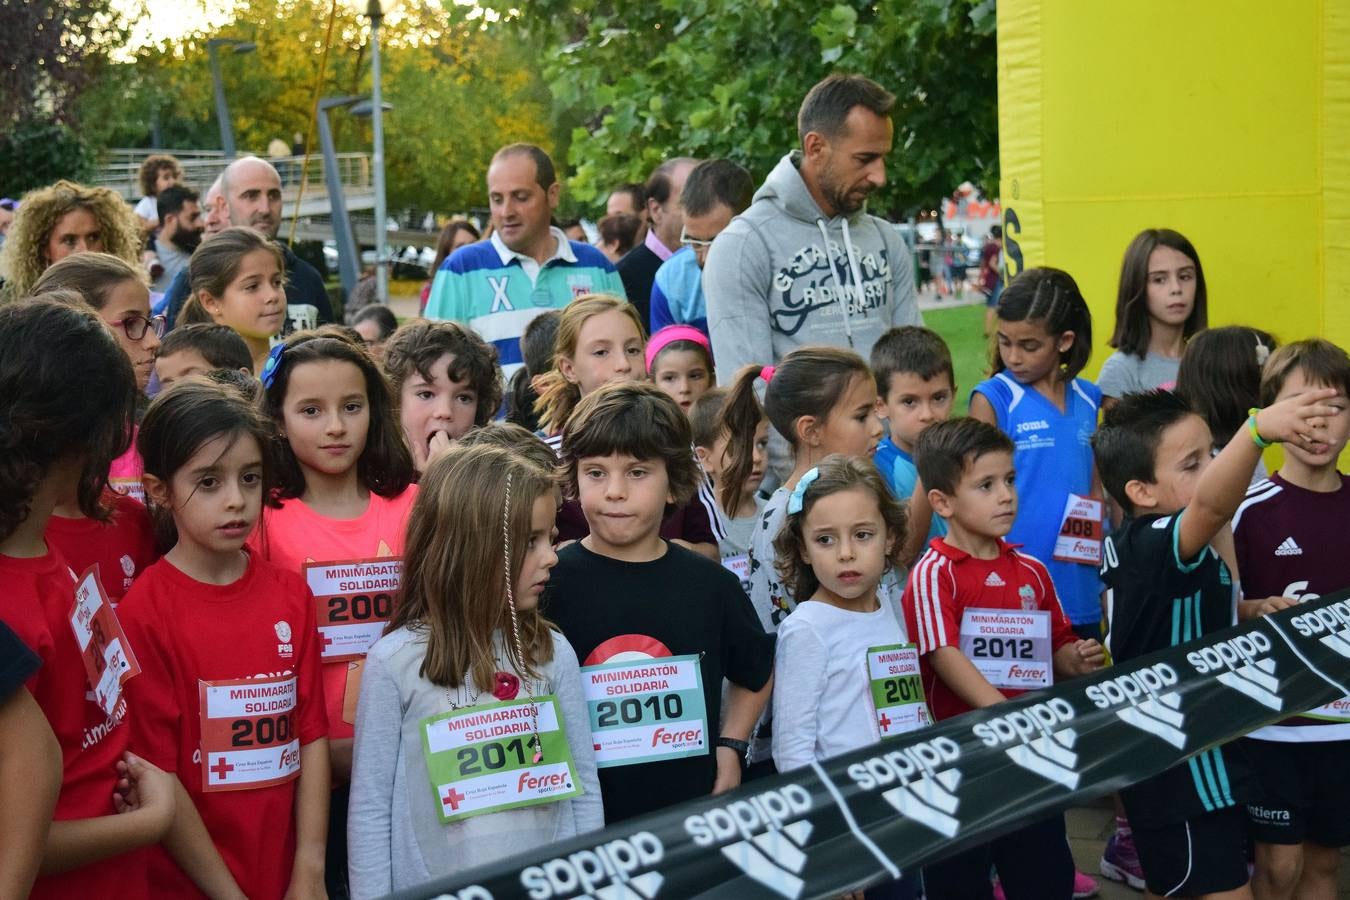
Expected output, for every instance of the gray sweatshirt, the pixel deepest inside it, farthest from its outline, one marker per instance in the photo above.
(395, 838)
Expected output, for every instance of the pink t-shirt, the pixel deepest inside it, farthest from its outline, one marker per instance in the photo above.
(125, 473)
(354, 568)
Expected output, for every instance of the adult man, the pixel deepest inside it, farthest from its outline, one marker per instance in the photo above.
(528, 266)
(638, 267)
(251, 188)
(180, 231)
(805, 264)
(715, 191)
(216, 215)
(629, 200)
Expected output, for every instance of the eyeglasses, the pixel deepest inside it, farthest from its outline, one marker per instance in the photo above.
(694, 243)
(137, 325)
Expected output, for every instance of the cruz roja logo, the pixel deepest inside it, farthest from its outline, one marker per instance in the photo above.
(1146, 702)
(609, 871)
(1039, 742)
(1332, 622)
(925, 785)
(766, 833)
(1241, 667)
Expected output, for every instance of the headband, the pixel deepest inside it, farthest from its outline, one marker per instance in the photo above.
(669, 335)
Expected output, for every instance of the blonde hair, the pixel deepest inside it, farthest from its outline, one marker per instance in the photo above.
(23, 257)
(558, 396)
(455, 580)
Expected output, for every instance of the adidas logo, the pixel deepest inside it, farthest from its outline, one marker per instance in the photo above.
(993, 580)
(1332, 622)
(1039, 744)
(609, 871)
(765, 841)
(1289, 547)
(1242, 668)
(925, 785)
(1146, 706)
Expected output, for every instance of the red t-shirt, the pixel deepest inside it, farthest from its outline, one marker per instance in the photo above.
(37, 600)
(122, 548)
(259, 628)
(295, 536)
(946, 581)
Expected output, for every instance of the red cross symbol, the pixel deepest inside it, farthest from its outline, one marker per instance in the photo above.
(222, 768)
(884, 722)
(452, 799)
(327, 642)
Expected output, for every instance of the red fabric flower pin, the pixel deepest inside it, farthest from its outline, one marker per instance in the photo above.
(505, 686)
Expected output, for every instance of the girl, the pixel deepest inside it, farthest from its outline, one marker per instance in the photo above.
(722, 454)
(344, 481)
(1044, 340)
(445, 379)
(843, 532)
(536, 349)
(468, 635)
(679, 361)
(1220, 377)
(1161, 303)
(67, 396)
(229, 689)
(238, 279)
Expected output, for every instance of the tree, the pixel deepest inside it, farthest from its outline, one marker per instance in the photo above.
(52, 50)
(650, 80)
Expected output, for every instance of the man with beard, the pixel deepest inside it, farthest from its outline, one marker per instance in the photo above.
(180, 231)
(251, 189)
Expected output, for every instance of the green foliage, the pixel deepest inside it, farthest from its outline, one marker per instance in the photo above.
(52, 51)
(649, 80)
(37, 153)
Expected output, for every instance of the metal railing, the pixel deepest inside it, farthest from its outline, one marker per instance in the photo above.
(121, 168)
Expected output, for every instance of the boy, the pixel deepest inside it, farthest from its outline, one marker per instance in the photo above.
(969, 582)
(1283, 533)
(627, 599)
(1165, 586)
(198, 349)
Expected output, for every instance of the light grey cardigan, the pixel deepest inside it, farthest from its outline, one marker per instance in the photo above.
(395, 837)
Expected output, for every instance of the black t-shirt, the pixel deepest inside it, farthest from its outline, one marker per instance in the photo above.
(637, 270)
(17, 662)
(1159, 600)
(677, 605)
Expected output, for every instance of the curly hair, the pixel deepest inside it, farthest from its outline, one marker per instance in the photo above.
(23, 257)
(150, 169)
(416, 347)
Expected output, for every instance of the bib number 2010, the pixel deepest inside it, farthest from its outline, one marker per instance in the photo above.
(634, 710)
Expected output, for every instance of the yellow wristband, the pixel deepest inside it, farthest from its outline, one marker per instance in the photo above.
(1251, 427)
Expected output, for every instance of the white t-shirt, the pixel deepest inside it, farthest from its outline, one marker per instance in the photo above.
(822, 704)
(148, 208)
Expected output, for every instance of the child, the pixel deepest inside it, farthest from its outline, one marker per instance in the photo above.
(220, 634)
(67, 393)
(915, 388)
(1220, 377)
(536, 349)
(738, 462)
(238, 279)
(510, 436)
(679, 362)
(1038, 400)
(344, 479)
(121, 547)
(445, 379)
(614, 595)
(1161, 303)
(1166, 585)
(158, 172)
(467, 634)
(967, 466)
(1283, 533)
(198, 349)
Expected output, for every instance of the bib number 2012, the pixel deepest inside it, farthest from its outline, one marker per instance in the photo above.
(1002, 648)
(630, 711)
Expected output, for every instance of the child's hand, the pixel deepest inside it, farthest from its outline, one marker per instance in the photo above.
(1297, 420)
(146, 789)
(306, 888)
(1255, 608)
(1088, 656)
(439, 446)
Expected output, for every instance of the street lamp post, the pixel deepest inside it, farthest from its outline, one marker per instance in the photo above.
(223, 109)
(347, 248)
(376, 14)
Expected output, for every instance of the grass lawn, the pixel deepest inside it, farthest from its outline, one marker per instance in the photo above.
(962, 328)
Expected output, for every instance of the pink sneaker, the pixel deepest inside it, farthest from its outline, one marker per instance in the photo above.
(1084, 885)
(1120, 861)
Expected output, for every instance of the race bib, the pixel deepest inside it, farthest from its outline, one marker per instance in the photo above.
(482, 760)
(108, 660)
(1335, 711)
(1010, 647)
(740, 567)
(128, 487)
(249, 735)
(647, 710)
(353, 600)
(1080, 532)
(897, 689)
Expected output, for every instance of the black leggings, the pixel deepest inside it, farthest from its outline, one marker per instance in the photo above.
(1033, 863)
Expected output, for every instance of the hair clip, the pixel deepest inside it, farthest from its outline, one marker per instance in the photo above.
(798, 495)
(1262, 353)
(270, 367)
(767, 373)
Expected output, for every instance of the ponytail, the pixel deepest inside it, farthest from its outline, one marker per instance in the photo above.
(557, 398)
(740, 417)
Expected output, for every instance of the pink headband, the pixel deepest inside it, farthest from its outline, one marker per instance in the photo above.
(671, 334)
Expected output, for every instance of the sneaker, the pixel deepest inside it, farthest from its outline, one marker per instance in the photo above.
(1120, 861)
(1084, 885)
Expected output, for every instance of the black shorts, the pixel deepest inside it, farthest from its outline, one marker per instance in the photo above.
(1203, 855)
(1302, 794)
(1089, 631)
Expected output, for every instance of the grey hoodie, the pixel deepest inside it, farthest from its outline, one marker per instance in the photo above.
(771, 287)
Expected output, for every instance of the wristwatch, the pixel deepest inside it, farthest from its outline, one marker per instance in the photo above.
(742, 748)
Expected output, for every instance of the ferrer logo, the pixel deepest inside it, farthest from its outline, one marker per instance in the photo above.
(766, 840)
(1146, 706)
(1041, 746)
(925, 785)
(609, 871)
(1242, 669)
